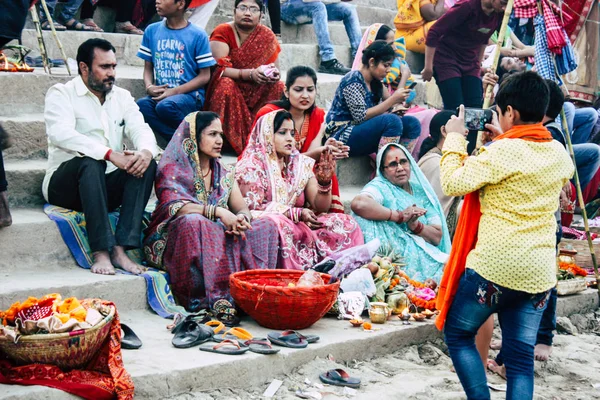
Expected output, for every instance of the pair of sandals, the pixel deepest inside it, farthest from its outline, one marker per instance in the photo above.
(87, 25)
(190, 332)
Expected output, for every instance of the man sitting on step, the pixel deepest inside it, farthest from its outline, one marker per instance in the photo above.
(297, 12)
(87, 119)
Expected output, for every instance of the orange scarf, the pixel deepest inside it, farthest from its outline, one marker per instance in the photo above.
(465, 237)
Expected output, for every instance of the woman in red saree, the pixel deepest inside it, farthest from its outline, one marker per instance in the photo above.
(299, 100)
(278, 184)
(246, 76)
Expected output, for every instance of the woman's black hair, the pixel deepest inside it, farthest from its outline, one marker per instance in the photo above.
(380, 52)
(259, 3)
(204, 119)
(382, 33)
(435, 131)
(294, 73)
(279, 118)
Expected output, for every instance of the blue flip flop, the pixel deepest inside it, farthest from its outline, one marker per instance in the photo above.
(292, 339)
(339, 377)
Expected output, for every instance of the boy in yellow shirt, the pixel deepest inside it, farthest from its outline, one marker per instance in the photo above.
(511, 266)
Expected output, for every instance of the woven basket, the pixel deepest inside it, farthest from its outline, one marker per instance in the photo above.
(68, 350)
(583, 258)
(570, 286)
(282, 307)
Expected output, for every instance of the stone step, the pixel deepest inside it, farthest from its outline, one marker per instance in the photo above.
(128, 292)
(25, 182)
(25, 178)
(127, 45)
(28, 90)
(29, 134)
(161, 371)
(369, 12)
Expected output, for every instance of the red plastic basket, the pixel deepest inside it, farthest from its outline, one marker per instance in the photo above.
(265, 296)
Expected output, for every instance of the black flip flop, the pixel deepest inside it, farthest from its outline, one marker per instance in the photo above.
(290, 339)
(230, 347)
(129, 340)
(260, 346)
(339, 377)
(191, 333)
(200, 318)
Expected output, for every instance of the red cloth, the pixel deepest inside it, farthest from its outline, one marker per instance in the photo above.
(104, 378)
(465, 237)
(237, 102)
(316, 119)
(552, 17)
(576, 12)
(197, 3)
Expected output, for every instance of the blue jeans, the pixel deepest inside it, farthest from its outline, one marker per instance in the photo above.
(165, 116)
(67, 12)
(365, 137)
(519, 314)
(581, 122)
(587, 158)
(296, 12)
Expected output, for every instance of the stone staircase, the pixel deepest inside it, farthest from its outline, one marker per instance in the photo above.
(35, 261)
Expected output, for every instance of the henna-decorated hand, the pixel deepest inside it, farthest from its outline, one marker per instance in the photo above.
(325, 168)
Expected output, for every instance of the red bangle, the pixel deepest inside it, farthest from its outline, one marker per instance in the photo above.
(107, 155)
(419, 228)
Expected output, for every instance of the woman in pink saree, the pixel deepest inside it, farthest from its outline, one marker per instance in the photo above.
(278, 183)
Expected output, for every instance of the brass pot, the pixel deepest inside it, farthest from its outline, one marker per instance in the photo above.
(379, 312)
(397, 302)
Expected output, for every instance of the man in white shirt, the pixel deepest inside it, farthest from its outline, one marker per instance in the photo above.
(86, 121)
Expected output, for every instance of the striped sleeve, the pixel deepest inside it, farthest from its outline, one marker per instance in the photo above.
(203, 55)
(145, 52)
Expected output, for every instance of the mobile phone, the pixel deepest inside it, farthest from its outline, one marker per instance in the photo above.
(476, 118)
(412, 85)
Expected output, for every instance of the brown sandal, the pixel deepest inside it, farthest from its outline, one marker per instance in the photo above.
(92, 25)
(128, 28)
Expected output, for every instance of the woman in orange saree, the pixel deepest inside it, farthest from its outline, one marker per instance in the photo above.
(246, 76)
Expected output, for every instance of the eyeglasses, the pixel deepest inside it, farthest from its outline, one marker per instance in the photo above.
(243, 9)
(395, 164)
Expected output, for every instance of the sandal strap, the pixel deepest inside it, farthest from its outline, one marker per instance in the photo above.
(218, 326)
(227, 342)
(338, 374)
(260, 341)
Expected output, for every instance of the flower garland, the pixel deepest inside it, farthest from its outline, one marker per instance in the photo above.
(416, 300)
(573, 268)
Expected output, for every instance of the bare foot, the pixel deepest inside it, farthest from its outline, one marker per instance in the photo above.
(498, 369)
(122, 260)
(102, 264)
(542, 352)
(5, 217)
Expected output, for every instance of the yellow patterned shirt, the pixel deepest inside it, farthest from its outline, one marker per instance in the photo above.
(520, 182)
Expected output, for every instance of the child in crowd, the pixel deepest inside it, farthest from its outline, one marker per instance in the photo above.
(511, 187)
(177, 68)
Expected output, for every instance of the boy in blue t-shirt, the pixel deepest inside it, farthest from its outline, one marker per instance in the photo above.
(177, 67)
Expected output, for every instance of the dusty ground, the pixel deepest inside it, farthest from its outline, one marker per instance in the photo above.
(424, 372)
